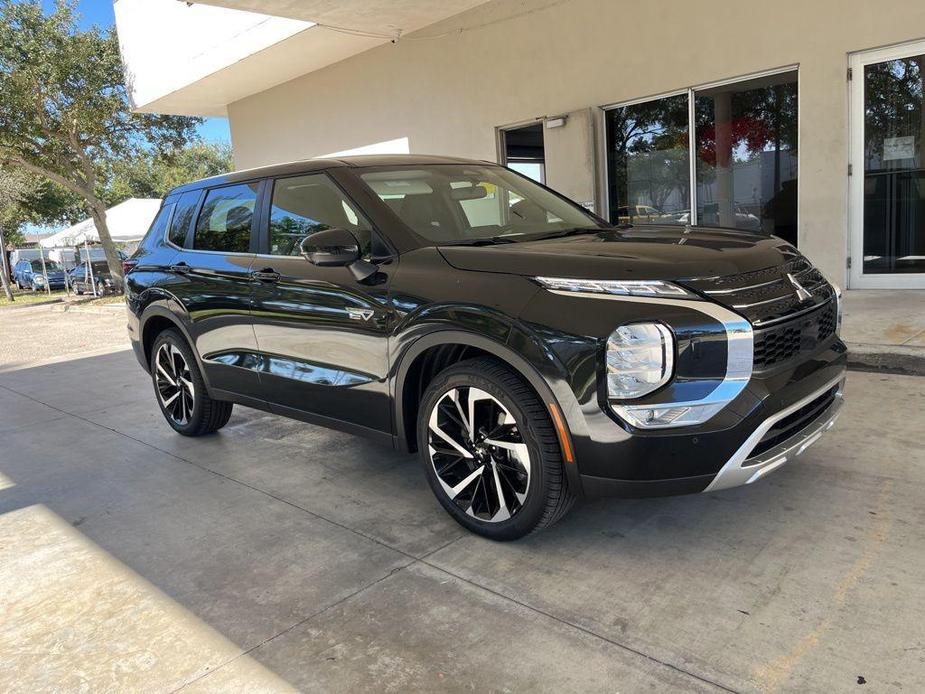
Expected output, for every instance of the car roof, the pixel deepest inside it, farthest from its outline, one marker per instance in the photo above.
(312, 165)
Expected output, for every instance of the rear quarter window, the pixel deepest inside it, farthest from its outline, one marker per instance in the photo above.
(183, 217)
(158, 226)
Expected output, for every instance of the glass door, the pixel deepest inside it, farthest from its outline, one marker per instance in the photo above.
(887, 186)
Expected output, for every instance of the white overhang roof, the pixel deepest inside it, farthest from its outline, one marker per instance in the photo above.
(195, 58)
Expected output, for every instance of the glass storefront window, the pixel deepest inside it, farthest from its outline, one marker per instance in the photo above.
(894, 166)
(747, 155)
(648, 165)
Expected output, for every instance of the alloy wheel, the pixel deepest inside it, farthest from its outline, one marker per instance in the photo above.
(174, 383)
(478, 454)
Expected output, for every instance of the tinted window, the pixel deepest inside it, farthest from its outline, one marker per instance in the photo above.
(183, 217)
(304, 205)
(648, 162)
(225, 221)
(747, 155)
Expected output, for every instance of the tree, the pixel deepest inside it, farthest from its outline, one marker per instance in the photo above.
(14, 188)
(64, 111)
(148, 174)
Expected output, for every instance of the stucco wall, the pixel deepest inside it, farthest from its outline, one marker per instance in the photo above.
(518, 60)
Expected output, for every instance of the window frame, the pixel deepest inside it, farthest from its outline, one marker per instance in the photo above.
(255, 221)
(690, 92)
(263, 247)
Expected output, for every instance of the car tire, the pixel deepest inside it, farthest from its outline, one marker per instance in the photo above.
(513, 488)
(180, 389)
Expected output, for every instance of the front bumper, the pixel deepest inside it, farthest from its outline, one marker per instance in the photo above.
(745, 468)
(773, 421)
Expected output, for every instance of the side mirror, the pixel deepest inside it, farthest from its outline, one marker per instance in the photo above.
(331, 248)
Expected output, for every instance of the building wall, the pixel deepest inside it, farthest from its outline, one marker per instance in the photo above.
(446, 90)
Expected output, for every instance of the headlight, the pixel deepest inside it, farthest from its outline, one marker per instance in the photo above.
(622, 287)
(640, 359)
(39, 279)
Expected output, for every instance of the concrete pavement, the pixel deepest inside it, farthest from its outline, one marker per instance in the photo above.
(885, 329)
(276, 555)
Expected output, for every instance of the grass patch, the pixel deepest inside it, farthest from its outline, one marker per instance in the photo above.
(108, 299)
(24, 298)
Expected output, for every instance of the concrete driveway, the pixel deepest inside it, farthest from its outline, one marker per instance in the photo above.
(278, 555)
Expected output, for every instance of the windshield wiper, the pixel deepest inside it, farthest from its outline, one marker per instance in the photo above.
(484, 242)
(575, 231)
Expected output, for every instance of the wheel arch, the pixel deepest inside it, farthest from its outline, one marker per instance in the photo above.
(163, 313)
(432, 352)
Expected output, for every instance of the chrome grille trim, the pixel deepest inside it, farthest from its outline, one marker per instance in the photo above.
(715, 292)
(790, 316)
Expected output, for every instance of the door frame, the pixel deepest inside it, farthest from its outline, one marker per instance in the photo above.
(501, 143)
(857, 279)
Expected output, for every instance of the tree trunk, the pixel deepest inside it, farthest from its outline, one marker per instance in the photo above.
(5, 269)
(98, 211)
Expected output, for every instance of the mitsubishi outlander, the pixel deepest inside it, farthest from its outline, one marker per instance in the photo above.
(527, 350)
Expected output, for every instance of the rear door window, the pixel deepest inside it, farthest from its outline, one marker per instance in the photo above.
(226, 219)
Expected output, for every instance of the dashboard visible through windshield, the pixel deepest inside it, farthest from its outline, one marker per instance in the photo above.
(464, 204)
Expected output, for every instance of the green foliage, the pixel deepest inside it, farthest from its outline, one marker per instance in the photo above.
(151, 174)
(15, 189)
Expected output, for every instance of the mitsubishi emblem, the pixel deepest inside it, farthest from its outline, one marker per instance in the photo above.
(802, 294)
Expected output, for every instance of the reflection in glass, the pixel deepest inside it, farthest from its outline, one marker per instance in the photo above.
(894, 166)
(225, 220)
(648, 165)
(747, 155)
(305, 205)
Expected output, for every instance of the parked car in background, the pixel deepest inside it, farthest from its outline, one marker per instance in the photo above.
(27, 274)
(638, 214)
(529, 351)
(83, 281)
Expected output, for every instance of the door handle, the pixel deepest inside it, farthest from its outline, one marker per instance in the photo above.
(266, 275)
(180, 268)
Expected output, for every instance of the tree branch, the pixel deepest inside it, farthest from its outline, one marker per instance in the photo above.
(53, 176)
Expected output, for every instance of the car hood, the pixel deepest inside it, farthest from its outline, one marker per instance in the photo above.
(666, 253)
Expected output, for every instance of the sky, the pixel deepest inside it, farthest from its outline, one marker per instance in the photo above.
(100, 12)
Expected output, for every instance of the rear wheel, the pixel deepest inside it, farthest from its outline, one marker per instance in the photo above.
(490, 451)
(180, 389)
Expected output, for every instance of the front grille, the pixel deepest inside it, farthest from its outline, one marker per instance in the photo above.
(767, 297)
(793, 423)
(800, 336)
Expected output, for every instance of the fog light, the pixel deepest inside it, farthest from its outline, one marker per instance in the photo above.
(657, 416)
(640, 358)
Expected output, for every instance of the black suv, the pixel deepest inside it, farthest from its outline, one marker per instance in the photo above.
(528, 350)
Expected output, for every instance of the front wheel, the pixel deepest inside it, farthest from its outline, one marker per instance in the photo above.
(490, 451)
(181, 390)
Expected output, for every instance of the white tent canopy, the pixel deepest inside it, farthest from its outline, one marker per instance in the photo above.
(128, 221)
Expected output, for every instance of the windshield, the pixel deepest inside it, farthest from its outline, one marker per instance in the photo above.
(459, 204)
(50, 266)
